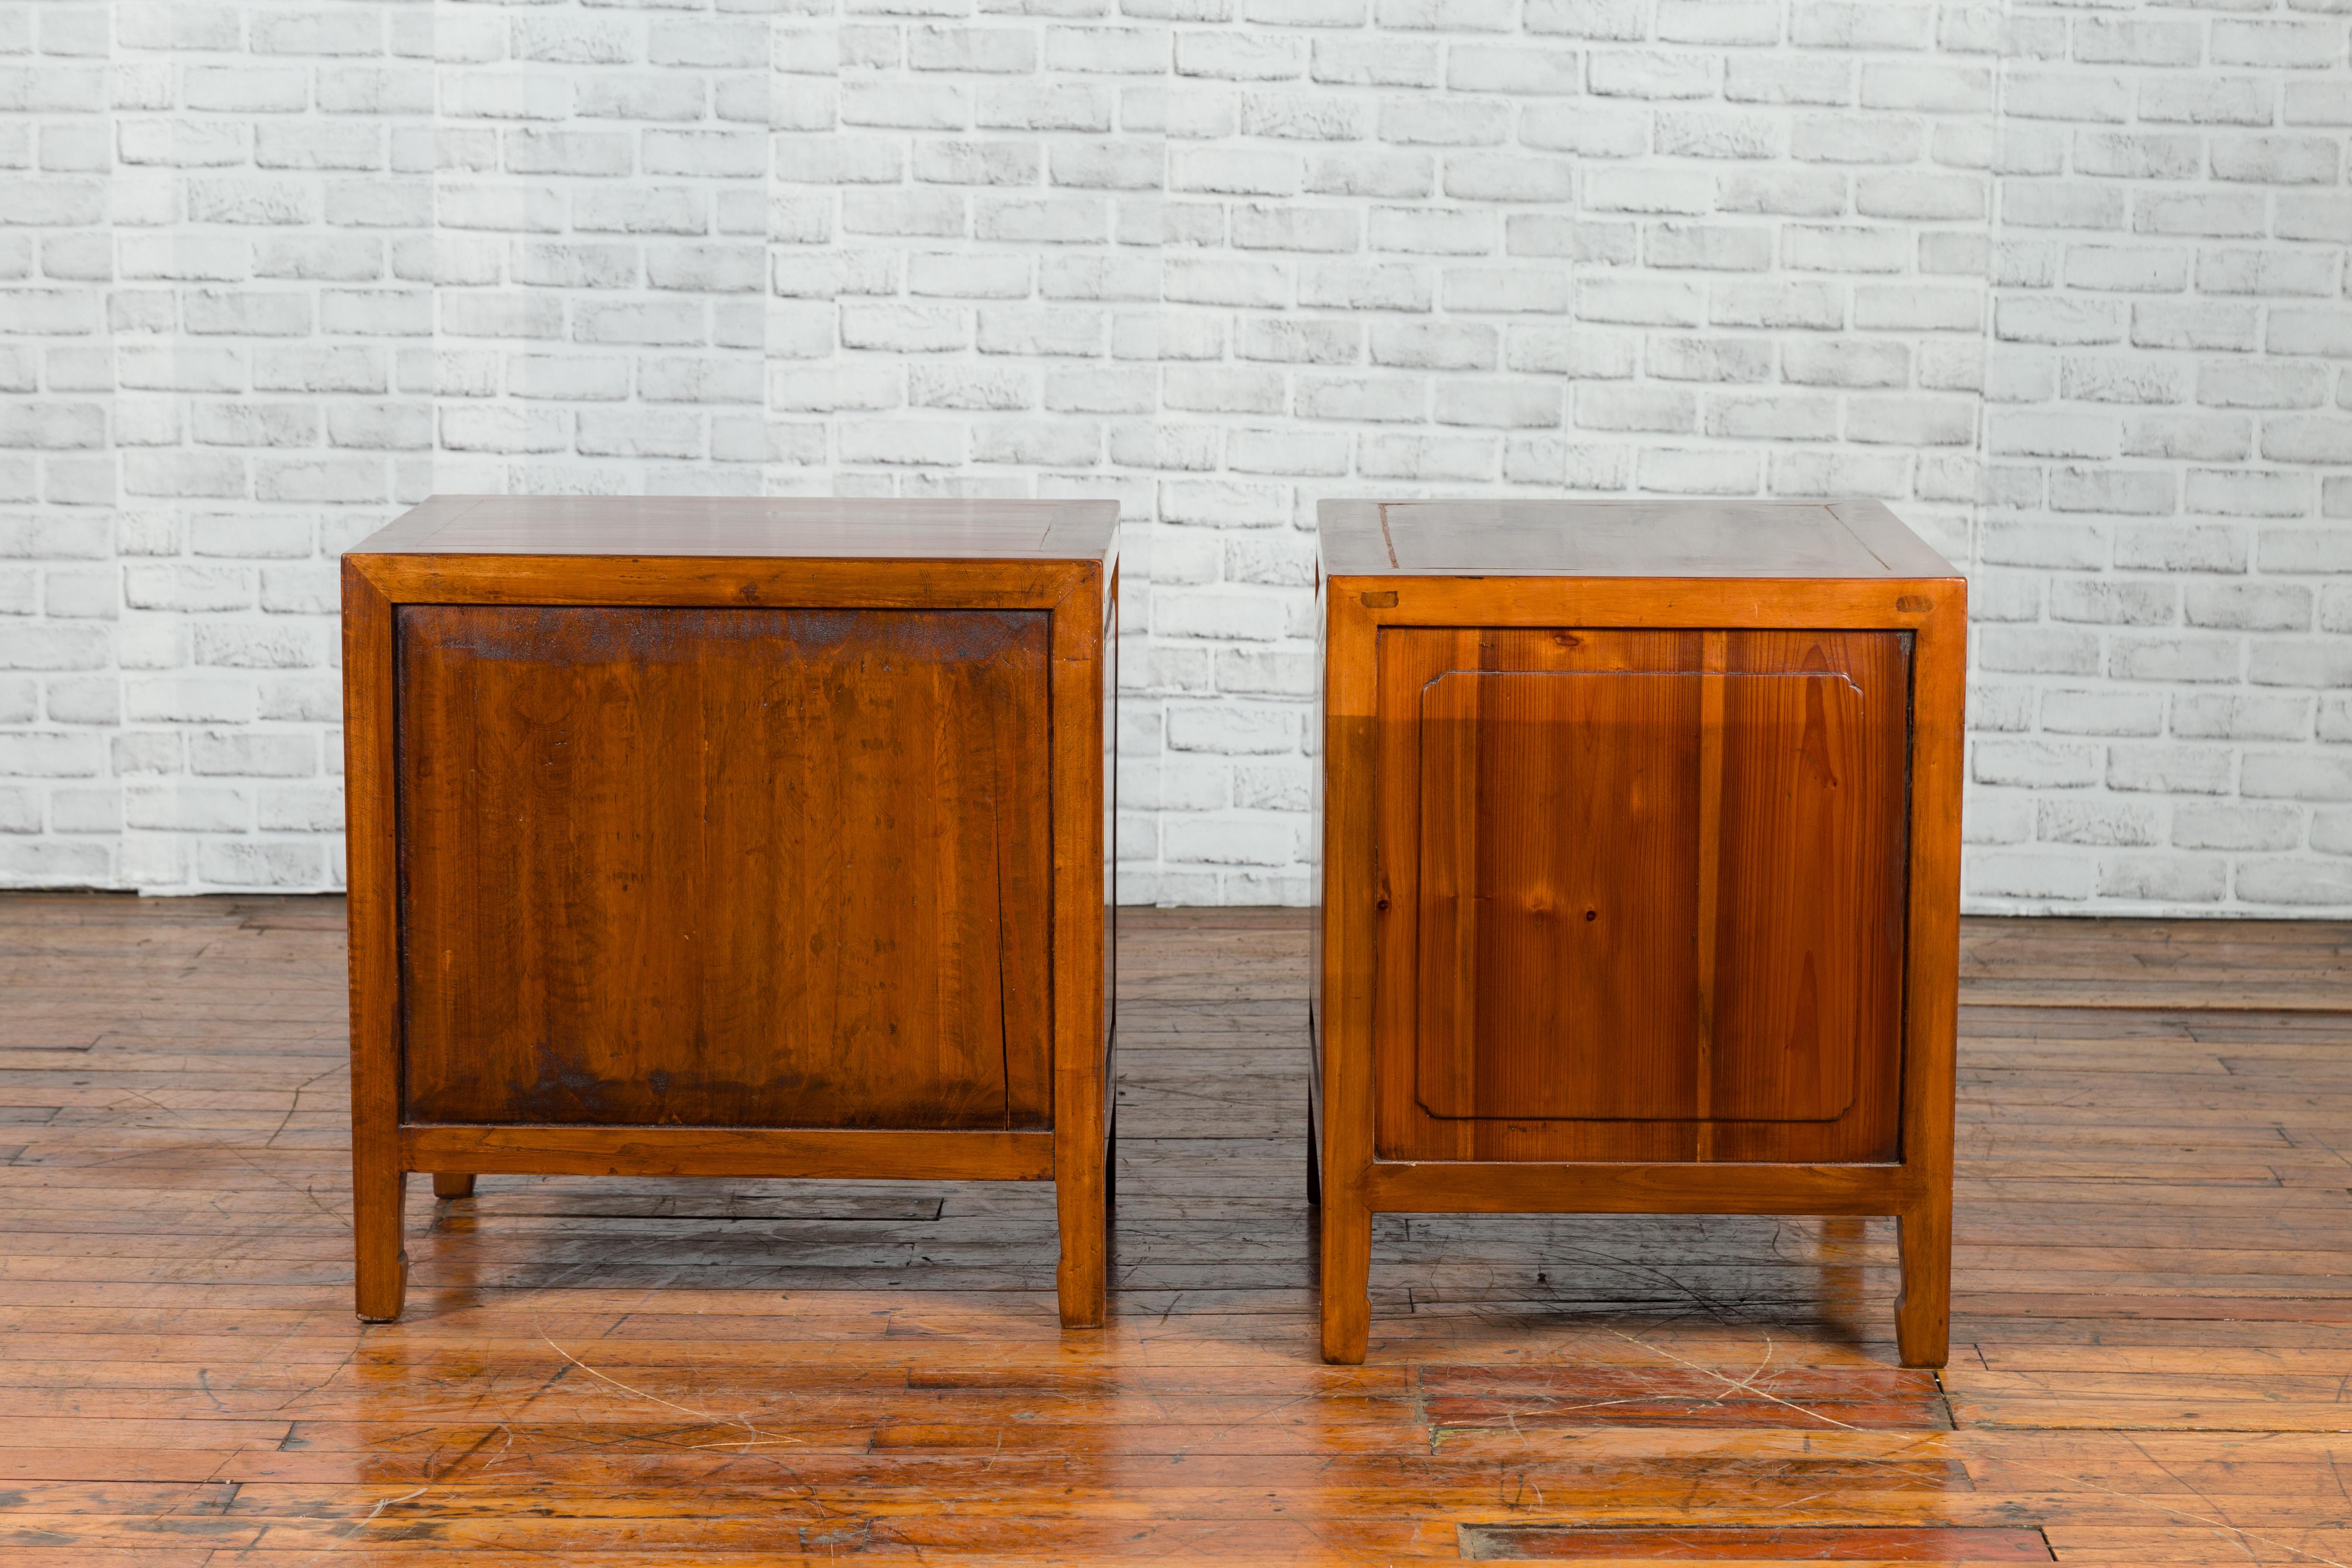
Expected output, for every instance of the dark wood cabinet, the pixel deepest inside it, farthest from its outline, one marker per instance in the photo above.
(731, 837)
(1639, 888)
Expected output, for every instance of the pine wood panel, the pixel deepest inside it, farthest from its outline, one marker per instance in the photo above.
(1404, 580)
(625, 1371)
(835, 892)
(1645, 891)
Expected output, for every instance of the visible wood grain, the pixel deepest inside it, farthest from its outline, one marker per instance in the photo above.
(1502, 1186)
(1765, 540)
(1931, 971)
(1707, 917)
(371, 781)
(1542, 799)
(1354, 896)
(734, 837)
(2180, 965)
(1531, 1398)
(622, 1370)
(941, 529)
(720, 581)
(1084, 761)
(1662, 863)
(826, 908)
(1592, 955)
(931, 1154)
(1636, 603)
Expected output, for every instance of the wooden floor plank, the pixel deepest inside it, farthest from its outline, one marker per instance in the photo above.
(2153, 1323)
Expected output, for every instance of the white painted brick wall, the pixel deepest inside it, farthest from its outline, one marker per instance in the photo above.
(2064, 283)
(2160, 716)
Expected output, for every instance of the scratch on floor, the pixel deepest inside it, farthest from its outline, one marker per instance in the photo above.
(1980, 1435)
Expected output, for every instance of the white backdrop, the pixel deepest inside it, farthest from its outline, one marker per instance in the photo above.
(2064, 284)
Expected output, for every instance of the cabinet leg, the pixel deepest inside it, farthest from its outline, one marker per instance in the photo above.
(1346, 1259)
(380, 1278)
(452, 1184)
(1081, 1160)
(1923, 1312)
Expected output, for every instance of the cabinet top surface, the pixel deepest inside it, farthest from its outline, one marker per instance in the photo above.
(836, 529)
(1843, 539)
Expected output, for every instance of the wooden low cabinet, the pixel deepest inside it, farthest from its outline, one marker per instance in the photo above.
(731, 838)
(1640, 836)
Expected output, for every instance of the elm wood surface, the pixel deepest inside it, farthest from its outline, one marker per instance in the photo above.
(1569, 808)
(730, 838)
(2153, 1321)
(1759, 540)
(825, 904)
(795, 528)
(1639, 871)
(944, 1156)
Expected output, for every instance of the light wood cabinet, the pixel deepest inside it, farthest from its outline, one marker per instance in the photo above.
(1639, 879)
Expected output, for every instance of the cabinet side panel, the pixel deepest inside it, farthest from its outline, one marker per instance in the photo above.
(1422, 943)
(1645, 894)
(1810, 932)
(1559, 889)
(722, 868)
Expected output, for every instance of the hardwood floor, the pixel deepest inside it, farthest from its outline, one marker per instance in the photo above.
(2153, 1328)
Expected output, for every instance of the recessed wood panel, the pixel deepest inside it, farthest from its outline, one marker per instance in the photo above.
(1559, 832)
(1644, 893)
(1806, 855)
(724, 867)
